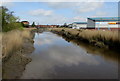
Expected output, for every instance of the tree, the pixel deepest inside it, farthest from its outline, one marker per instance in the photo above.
(65, 25)
(9, 21)
(33, 24)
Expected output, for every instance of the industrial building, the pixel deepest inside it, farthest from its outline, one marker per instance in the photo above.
(103, 23)
(79, 25)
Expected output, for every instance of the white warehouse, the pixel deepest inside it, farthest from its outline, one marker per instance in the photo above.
(103, 23)
(79, 25)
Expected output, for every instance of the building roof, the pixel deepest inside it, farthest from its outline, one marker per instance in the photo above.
(24, 21)
(80, 22)
(105, 19)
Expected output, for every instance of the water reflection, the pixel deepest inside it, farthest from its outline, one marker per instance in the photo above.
(56, 58)
(105, 53)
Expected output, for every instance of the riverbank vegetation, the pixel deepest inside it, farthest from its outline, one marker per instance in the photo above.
(13, 40)
(9, 21)
(13, 35)
(15, 45)
(99, 38)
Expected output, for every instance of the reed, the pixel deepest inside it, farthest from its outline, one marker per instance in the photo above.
(98, 35)
(13, 40)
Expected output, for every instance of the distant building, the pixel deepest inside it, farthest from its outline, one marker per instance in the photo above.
(47, 26)
(103, 23)
(25, 23)
(70, 25)
(79, 25)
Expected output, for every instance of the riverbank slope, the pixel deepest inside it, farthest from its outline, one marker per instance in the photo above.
(17, 45)
(98, 38)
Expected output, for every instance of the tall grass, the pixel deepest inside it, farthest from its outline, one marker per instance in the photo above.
(98, 35)
(0, 45)
(13, 40)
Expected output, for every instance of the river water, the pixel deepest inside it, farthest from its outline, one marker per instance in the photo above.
(57, 58)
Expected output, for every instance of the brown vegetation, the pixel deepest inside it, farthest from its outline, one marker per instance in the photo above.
(13, 40)
(98, 37)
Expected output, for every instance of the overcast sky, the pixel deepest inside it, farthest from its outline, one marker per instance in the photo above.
(62, 12)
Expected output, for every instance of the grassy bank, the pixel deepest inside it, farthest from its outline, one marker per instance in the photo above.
(99, 38)
(13, 41)
(16, 44)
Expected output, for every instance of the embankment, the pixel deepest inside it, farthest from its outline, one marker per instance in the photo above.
(16, 44)
(98, 38)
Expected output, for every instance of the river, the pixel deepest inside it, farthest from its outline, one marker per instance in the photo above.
(55, 57)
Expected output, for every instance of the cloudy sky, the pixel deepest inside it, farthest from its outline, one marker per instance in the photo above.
(62, 12)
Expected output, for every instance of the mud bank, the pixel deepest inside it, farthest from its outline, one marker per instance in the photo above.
(95, 41)
(105, 53)
(14, 64)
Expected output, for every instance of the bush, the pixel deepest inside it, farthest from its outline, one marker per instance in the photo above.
(12, 26)
(9, 21)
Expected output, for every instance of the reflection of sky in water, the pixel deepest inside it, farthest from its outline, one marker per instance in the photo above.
(49, 39)
(56, 58)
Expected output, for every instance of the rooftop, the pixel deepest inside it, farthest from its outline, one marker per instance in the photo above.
(105, 19)
(24, 21)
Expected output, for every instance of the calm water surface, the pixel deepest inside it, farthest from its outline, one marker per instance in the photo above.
(55, 58)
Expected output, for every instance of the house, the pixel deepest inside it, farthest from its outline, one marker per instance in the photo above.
(79, 25)
(103, 23)
(25, 23)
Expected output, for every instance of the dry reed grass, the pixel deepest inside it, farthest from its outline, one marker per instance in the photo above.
(0, 45)
(92, 34)
(100, 34)
(13, 40)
